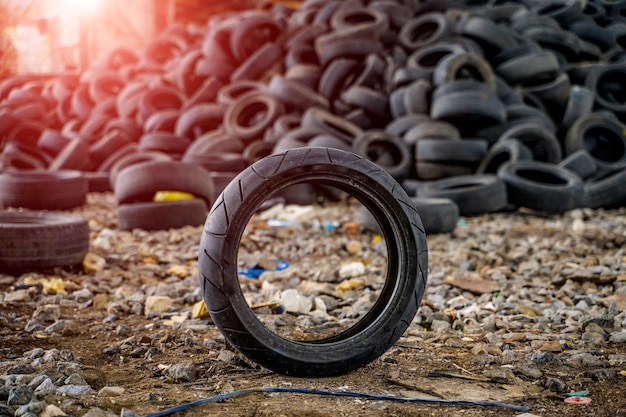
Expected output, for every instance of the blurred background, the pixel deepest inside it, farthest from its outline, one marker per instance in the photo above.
(60, 36)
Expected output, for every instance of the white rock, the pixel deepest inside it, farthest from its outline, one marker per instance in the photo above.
(351, 270)
(294, 302)
(111, 391)
(157, 304)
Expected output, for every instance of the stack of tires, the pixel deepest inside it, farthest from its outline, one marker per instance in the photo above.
(522, 101)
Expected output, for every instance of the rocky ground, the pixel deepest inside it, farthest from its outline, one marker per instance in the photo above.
(520, 309)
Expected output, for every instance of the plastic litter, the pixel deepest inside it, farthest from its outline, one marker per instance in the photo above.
(256, 270)
(164, 196)
(577, 400)
(292, 301)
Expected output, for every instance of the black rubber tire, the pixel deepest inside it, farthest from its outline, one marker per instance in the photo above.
(161, 216)
(431, 129)
(397, 302)
(219, 161)
(259, 63)
(132, 158)
(579, 104)
(439, 215)
(428, 171)
(536, 64)
(295, 95)
(334, 77)
(608, 84)
(51, 141)
(424, 30)
(43, 190)
(165, 142)
(470, 107)
(543, 143)
(39, 240)
(463, 66)
(603, 137)
(228, 93)
(369, 99)
(417, 97)
(470, 151)
(162, 121)
(492, 37)
(254, 30)
(198, 119)
(326, 122)
(474, 194)
(401, 125)
(326, 140)
(139, 182)
(251, 114)
(386, 150)
(541, 186)
(580, 163)
(606, 192)
(107, 145)
(501, 153)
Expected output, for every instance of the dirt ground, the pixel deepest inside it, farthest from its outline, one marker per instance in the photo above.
(414, 367)
(409, 370)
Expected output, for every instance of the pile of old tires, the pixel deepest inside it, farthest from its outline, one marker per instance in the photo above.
(489, 105)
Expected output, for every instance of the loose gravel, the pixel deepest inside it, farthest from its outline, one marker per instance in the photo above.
(518, 291)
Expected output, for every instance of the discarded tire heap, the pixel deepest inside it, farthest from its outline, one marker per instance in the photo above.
(489, 105)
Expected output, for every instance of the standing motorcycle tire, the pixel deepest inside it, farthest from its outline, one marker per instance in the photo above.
(399, 299)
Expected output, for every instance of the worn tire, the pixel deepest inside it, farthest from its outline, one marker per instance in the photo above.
(474, 194)
(541, 186)
(43, 190)
(36, 240)
(139, 182)
(398, 300)
(161, 216)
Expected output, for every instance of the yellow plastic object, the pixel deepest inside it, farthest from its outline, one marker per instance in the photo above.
(163, 196)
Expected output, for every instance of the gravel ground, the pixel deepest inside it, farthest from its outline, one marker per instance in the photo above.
(519, 308)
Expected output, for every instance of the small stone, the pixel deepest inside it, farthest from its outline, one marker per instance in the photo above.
(294, 302)
(47, 313)
(59, 326)
(528, 371)
(111, 391)
(500, 375)
(20, 395)
(477, 286)
(227, 356)
(100, 301)
(83, 296)
(51, 411)
(93, 263)
(353, 247)
(18, 296)
(555, 385)
(183, 371)
(602, 374)
(618, 337)
(552, 346)
(46, 387)
(156, 304)
(440, 326)
(351, 270)
(20, 369)
(128, 413)
(98, 412)
(75, 379)
(541, 357)
(74, 390)
(33, 407)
